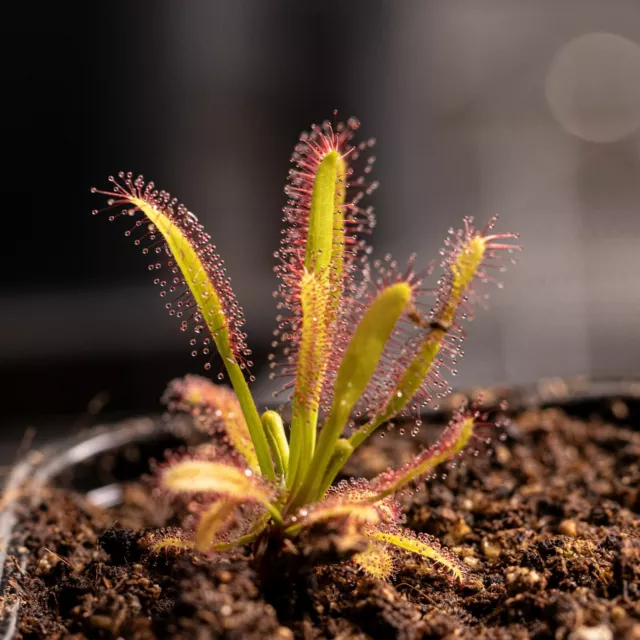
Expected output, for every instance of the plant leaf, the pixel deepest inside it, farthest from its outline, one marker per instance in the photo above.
(376, 560)
(367, 344)
(211, 522)
(360, 491)
(356, 512)
(314, 342)
(216, 409)
(198, 476)
(329, 175)
(422, 545)
(317, 252)
(319, 291)
(168, 539)
(208, 287)
(324, 223)
(450, 443)
(214, 477)
(277, 438)
(171, 543)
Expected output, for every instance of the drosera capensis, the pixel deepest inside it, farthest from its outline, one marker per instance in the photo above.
(357, 345)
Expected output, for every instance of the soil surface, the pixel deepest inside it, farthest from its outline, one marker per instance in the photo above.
(549, 526)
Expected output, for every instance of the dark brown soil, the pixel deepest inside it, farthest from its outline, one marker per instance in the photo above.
(549, 525)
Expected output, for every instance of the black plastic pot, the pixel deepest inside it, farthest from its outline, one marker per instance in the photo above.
(97, 461)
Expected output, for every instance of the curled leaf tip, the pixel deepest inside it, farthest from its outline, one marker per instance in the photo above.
(188, 270)
(193, 275)
(376, 561)
(403, 542)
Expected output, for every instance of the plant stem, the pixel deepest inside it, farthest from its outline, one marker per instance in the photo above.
(276, 516)
(295, 443)
(341, 454)
(329, 434)
(238, 542)
(274, 430)
(252, 417)
(303, 443)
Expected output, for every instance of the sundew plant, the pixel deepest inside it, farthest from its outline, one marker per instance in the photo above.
(358, 344)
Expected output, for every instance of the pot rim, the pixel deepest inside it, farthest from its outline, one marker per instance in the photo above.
(37, 467)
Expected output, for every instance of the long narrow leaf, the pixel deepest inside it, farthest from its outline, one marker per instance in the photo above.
(209, 299)
(318, 249)
(358, 365)
(422, 545)
(450, 443)
(198, 476)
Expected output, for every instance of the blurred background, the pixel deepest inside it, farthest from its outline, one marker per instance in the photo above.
(526, 109)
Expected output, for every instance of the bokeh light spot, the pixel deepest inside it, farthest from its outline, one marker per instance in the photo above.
(593, 87)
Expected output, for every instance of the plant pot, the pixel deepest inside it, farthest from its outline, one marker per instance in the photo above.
(96, 462)
(93, 462)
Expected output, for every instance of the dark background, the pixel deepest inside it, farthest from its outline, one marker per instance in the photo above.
(207, 99)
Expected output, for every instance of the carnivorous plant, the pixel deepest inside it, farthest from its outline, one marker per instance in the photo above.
(356, 344)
